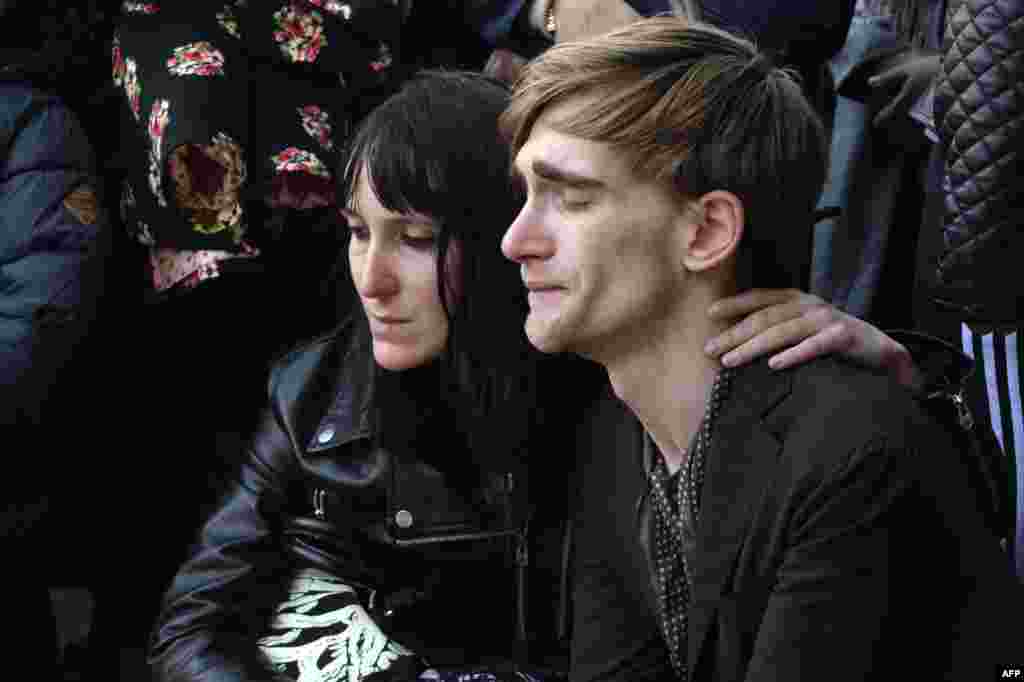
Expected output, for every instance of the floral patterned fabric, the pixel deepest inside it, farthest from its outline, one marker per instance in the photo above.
(229, 21)
(202, 168)
(292, 160)
(341, 9)
(197, 59)
(316, 122)
(159, 117)
(208, 180)
(299, 32)
(132, 87)
(140, 7)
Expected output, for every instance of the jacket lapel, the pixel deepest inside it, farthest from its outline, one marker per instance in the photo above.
(327, 388)
(738, 468)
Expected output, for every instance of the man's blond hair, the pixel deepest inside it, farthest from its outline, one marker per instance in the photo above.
(699, 109)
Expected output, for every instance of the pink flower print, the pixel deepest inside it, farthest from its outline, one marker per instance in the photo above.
(383, 59)
(293, 160)
(132, 86)
(338, 9)
(140, 7)
(316, 123)
(196, 59)
(229, 21)
(159, 117)
(299, 33)
(172, 267)
(117, 58)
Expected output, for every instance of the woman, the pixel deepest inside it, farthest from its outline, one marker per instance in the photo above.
(403, 489)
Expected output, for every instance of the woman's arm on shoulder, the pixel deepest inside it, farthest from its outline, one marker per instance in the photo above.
(796, 327)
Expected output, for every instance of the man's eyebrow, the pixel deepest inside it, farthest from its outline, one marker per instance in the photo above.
(552, 173)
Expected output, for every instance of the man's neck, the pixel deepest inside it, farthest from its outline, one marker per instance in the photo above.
(665, 378)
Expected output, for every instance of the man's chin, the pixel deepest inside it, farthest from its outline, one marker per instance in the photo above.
(545, 339)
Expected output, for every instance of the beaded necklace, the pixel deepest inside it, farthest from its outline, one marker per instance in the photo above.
(674, 522)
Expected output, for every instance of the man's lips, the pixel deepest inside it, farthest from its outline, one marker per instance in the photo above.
(388, 319)
(541, 294)
(540, 286)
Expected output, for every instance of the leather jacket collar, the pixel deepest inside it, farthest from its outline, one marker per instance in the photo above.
(350, 414)
(335, 405)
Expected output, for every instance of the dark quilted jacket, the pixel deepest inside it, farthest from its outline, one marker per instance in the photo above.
(979, 106)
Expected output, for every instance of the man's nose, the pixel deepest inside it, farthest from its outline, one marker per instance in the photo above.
(527, 237)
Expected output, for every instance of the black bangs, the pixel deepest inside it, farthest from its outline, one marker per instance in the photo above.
(432, 149)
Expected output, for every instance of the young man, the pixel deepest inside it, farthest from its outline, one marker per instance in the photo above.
(805, 524)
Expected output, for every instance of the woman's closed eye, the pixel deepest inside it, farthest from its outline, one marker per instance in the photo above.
(421, 237)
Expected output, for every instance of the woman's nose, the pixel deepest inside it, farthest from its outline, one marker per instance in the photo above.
(378, 278)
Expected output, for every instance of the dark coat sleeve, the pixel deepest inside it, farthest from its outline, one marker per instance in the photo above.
(890, 543)
(211, 613)
(979, 112)
(51, 247)
(835, 582)
(54, 249)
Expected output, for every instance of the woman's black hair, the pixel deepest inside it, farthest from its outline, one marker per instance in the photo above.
(434, 148)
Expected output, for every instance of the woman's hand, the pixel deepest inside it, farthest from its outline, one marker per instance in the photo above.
(803, 327)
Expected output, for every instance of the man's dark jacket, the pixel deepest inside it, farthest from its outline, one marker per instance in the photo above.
(837, 540)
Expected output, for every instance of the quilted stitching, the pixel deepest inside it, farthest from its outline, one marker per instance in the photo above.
(979, 105)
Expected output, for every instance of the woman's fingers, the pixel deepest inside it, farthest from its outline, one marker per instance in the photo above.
(836, 338)
(778, 337)
(771, 323)
(754, 300)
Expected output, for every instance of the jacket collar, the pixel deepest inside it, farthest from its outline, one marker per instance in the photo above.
(325, 389)
(745, 446)
(349, 415)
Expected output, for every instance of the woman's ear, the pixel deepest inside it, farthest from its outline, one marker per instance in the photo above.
(714, 230)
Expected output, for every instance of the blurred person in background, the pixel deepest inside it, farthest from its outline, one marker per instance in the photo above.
(55, 259)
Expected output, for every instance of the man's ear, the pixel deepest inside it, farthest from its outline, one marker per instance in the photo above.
(716, 223)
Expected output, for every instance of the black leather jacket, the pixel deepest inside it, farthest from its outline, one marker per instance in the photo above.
(444, 568)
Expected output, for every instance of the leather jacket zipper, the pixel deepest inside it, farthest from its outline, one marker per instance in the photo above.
(955, 394)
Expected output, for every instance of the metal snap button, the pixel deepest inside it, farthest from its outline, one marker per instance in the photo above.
(326, 435)
(403, 518)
